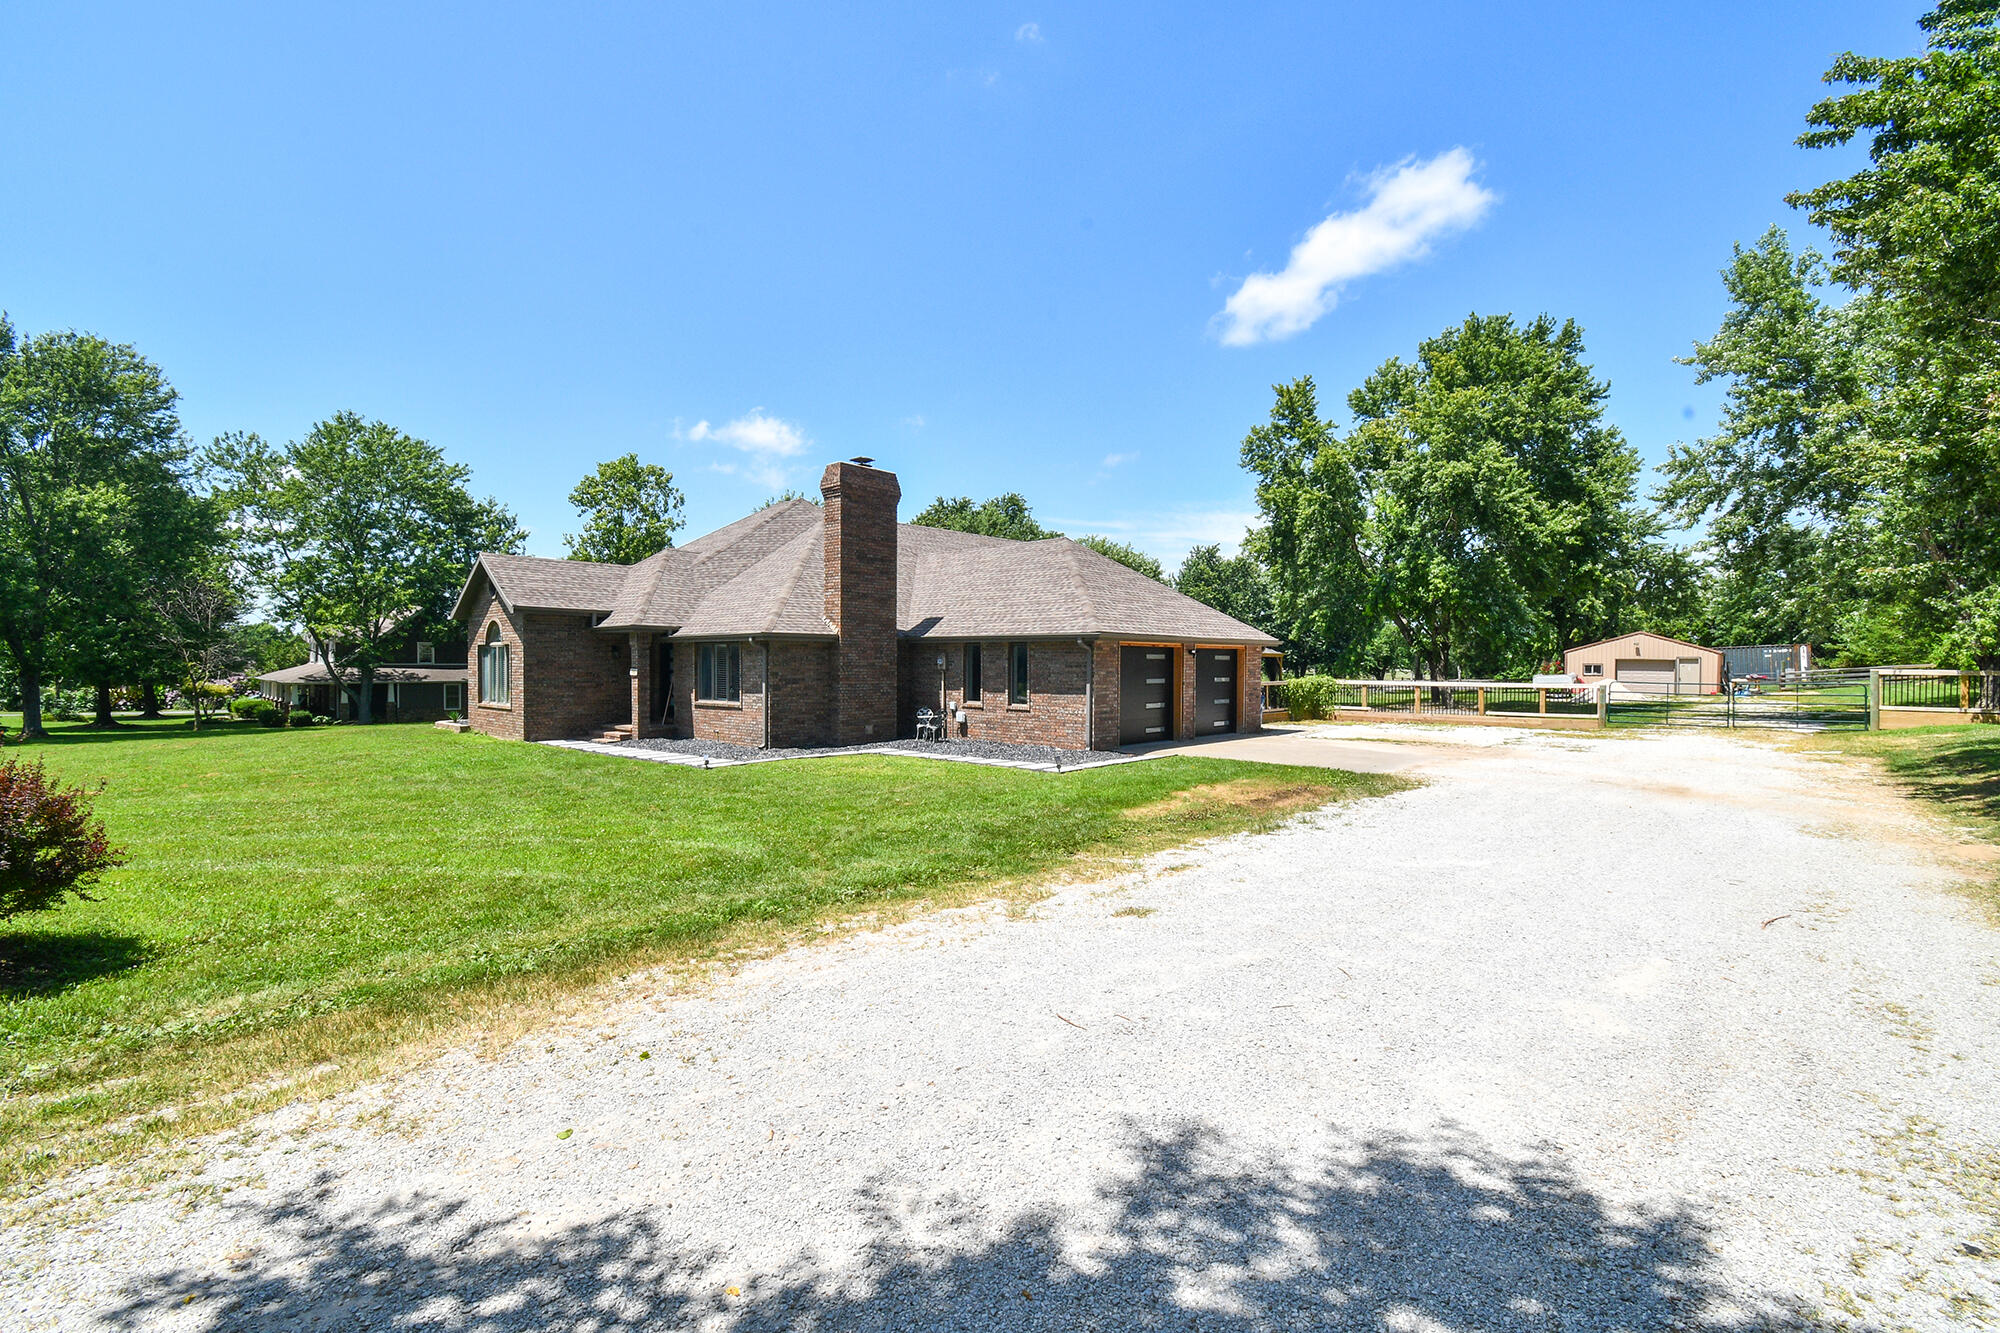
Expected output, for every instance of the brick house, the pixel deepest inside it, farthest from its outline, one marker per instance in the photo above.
(833, 624)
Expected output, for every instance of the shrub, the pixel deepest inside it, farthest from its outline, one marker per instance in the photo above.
(1309, 697)
(50, 844)
(71, 705)
(251, 708)
(301, 717)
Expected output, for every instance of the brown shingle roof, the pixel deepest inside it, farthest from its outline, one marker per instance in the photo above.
(531, 583)
(765, 574)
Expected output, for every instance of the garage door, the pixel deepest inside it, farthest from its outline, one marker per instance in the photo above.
(1651, 675)
(1214, 692)
(1145, 691)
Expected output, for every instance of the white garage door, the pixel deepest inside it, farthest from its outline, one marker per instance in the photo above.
(1645, 673)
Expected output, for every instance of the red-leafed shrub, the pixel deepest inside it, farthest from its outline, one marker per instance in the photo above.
(50, 843)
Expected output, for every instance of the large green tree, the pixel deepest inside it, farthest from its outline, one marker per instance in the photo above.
(1125, 554)
(1480, 504)
(1235, 585)
(96, 505)
(630, 511)
(1770, 488)
(359, 534)
(1002, 516)
(1917, 231)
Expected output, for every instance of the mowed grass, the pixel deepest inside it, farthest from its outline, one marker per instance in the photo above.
(1955, 768)
(304, 908)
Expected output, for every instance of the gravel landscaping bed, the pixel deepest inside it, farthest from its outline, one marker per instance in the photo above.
(990, 751)
(1651, 1033)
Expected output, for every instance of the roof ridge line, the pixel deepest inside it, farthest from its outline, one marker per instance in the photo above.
(1076, 574)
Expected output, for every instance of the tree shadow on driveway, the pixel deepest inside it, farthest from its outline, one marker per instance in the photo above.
(1383, 1233)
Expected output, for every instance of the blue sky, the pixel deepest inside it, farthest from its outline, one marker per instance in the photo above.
(997, 249)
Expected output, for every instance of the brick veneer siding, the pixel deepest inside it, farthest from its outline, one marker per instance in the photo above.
(1250, 707)
(1107, 662)
(580, 681)
(504, 722)
(860, 583)
(739, 723)
(801, 694)
(1058, 673)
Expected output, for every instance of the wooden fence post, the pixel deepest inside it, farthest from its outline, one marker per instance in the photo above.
(1364, 696)
(1541, 701)
(1964, 693)
(1875, 699)
(1482, 701)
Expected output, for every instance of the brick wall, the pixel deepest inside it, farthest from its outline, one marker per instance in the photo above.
(579, 680)
(801, 694)
(860, 506)
(1250, 704)
(1058, 673)
(739, 723)
(491, 719)
(1107, 662)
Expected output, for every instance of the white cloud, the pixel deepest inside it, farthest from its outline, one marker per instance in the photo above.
(1409, 206)
(914, 422)
(757, 434)
(1029, 32)
(1114, 460)
(769, 441)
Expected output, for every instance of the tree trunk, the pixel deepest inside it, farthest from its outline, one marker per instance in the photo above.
(101, 714)
(31, 697)
(149, 700)
(365, 702)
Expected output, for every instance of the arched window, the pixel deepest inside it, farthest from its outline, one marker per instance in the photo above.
(494, 675)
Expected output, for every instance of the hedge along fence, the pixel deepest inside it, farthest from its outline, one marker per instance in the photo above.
(1309, 698)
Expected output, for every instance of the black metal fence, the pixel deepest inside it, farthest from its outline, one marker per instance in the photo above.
(1804, 701)
(1958, 691)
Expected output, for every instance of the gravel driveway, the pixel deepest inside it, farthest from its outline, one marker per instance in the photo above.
(1587, 1033)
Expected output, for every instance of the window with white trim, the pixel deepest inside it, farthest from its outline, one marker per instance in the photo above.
(1593, 668)
(719, 673)
(427, 653)
(494, 677)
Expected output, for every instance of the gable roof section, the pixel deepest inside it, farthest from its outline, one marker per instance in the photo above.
(766, 575)
(1664, 638)
(531, 583)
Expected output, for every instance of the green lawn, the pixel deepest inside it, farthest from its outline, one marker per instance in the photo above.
(1955, 768)
(319, 903)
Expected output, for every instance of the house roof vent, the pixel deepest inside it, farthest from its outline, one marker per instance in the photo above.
(865, 462)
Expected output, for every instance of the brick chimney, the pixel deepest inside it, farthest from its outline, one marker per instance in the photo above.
(861, 598)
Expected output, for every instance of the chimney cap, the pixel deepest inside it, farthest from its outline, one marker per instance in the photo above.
(863, 460)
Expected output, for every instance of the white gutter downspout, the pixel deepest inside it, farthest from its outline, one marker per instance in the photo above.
(1089, 694)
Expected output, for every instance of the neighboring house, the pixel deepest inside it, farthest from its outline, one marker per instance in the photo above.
(833, 625)
(1648, 664)
(423, 682)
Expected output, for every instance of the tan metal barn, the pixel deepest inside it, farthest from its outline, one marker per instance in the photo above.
(1647, 664)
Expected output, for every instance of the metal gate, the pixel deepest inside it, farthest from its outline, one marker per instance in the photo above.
(1797, 700)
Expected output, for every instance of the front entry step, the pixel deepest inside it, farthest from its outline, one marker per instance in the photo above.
(613, 735)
